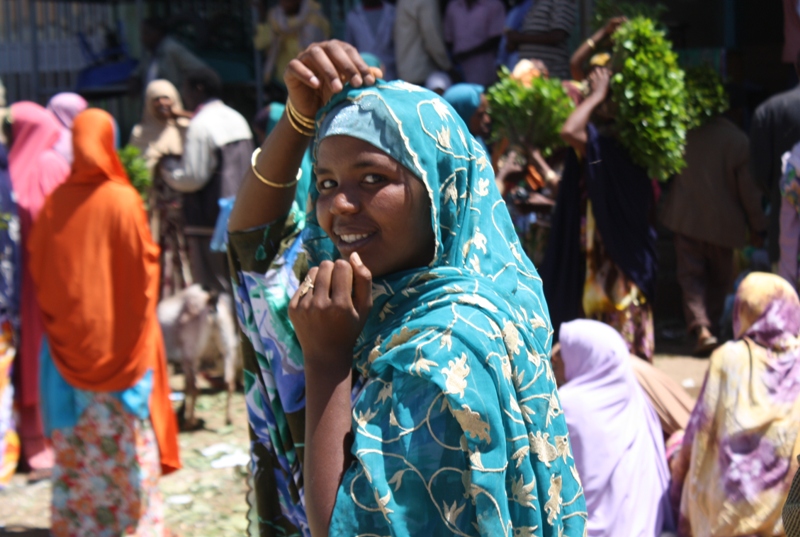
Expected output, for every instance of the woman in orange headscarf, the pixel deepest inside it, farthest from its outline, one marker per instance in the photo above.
(95, 267)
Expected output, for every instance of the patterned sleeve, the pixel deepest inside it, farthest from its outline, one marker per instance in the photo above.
(266, 265)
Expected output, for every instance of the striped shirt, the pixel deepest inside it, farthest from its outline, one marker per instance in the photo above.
(546, 16)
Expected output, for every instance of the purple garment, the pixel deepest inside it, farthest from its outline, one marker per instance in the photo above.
(65, 106)
(615, 434)
(467, 28)
(738, 456)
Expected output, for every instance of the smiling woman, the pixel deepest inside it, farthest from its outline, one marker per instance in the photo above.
(370, 204)
(412, 393)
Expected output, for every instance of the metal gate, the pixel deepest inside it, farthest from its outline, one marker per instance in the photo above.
(40, 47)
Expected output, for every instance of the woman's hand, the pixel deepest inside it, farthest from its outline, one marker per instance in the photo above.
(319, 72)
(329, 311)
(600, 80)
(612, 25)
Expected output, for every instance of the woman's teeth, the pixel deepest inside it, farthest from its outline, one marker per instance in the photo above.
(353, 238)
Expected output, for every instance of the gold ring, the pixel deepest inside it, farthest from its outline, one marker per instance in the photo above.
(306, 286)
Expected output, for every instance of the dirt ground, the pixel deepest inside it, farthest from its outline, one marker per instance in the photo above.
(200, 500)
(205, 501)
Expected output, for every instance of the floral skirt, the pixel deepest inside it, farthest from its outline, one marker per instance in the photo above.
(105, 480)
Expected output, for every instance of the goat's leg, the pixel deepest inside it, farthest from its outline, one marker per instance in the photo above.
(231, 387)
(230, 380)
(190, 379)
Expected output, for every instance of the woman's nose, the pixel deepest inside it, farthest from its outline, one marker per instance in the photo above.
(345, 202)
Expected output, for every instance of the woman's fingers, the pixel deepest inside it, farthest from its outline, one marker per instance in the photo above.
(317, 58)
(348, 65)
(301, 72)
(367, 73)
(303, 291)
(322, 284)
(362, 285)
(342, 284)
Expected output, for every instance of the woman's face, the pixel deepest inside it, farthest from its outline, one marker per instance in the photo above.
(369, 203)
(162, 107)
(481, 122)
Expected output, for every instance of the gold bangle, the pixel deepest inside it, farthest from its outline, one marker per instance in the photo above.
(305, 121)
(293, 122)
(591, 43)
(263, 179)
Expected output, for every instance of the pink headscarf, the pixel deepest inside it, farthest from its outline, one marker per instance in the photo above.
(615, 434)
(65, 106)
(36, 170)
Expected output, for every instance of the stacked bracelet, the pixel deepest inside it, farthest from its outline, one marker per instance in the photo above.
(263, 179)
(302, 124)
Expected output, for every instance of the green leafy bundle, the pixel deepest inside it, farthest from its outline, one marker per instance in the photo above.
(136, 168)
(648, 89)
(608, 9)
(706, 95)
(529, 114)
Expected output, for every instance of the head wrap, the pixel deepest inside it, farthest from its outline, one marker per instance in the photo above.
(455, 352)
(156, 137)
(465, 99)
(616, 434)
(65, 106)
(101, 321)
(36, 170)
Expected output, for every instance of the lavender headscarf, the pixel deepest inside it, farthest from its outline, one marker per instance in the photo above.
(65, 106)
(615, 434)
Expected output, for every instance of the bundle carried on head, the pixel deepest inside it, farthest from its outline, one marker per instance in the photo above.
(706, 95)
(605, 10)
(529, 109)
(649, 92)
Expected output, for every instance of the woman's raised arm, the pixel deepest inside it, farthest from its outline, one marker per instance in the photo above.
(574, 130)
(311, 79)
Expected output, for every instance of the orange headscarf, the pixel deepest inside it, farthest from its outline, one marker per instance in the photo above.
(96, 271)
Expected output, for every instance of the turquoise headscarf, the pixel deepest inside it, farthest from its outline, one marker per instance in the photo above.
(465, 99)
(458, 429)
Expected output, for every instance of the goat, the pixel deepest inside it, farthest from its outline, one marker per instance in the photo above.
(200, 329)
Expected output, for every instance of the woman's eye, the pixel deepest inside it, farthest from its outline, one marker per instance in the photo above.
(373, 178)
(325, 184)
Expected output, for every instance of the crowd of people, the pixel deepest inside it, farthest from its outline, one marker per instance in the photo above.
(408, 370)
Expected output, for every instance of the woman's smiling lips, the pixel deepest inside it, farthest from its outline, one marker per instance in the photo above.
(352, 240)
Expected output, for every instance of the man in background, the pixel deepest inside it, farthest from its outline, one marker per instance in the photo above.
(165, 57)
(284, 31)
(774, 131)
(370, 28)
(473, 29)
(709, 207)
(544, 35)
(418, 41)
(216, 157)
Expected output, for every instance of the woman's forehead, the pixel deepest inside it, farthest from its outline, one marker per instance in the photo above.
(347, 151)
